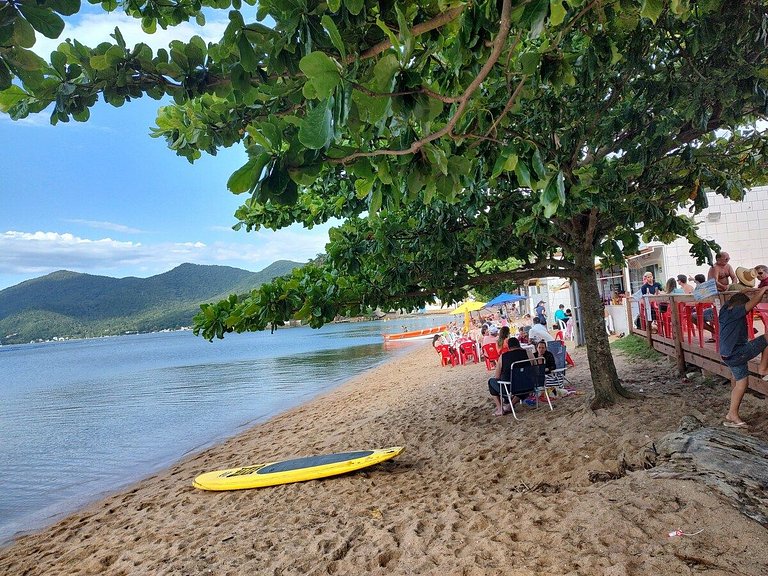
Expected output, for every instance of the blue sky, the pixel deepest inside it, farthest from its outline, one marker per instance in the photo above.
(104, 198)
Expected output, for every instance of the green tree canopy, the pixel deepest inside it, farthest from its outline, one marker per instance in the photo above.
(450, 136)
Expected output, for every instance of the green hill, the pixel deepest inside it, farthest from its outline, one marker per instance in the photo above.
(67, 304)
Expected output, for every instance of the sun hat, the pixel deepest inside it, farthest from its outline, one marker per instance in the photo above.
(746, 276)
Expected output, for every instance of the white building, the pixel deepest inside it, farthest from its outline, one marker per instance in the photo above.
(738, 227)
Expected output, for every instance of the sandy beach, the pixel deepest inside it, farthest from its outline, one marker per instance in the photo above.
(471, 494)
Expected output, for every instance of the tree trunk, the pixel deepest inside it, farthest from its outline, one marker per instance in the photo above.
(605, 380)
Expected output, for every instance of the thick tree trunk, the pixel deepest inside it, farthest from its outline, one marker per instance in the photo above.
(605, 380)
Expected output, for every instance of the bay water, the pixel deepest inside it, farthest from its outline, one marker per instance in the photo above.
(82, 418)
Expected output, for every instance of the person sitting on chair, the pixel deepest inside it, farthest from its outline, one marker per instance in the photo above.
(539, 332)
(504, 373)
(501, 343)
(549, 358)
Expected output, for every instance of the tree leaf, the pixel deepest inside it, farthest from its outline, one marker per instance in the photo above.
(363, 187)
(375, 204)
(10, 96)
(354, 6)
(333, 34)
(391, 35)
(561, 187)
(529, 61)
(523, 174)
(652, 9)
(246, 177)
(556, 12)
(23, 33)
(5, 84)
(317, 127)
(43, 20)
(248, 59)
(65, 7)
(322, 72)
(538, 165)
(334, 5)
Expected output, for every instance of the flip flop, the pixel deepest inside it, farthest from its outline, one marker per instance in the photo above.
(729, 424)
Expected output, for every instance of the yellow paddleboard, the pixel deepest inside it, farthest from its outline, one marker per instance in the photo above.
(295, 470)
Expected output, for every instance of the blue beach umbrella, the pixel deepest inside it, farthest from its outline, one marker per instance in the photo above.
(505, 298)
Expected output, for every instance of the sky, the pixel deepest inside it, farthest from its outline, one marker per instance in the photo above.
(104, 198)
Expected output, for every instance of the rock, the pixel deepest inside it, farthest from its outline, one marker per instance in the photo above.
(728, 460)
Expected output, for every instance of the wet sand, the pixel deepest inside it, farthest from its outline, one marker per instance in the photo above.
(471, 494)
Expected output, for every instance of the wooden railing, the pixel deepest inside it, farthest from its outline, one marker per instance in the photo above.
(675, 342)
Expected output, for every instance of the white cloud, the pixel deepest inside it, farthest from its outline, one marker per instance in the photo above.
(92, 29)
(99, 225)
(31, 254)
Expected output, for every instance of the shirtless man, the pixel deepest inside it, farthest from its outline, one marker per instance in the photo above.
(722, 272)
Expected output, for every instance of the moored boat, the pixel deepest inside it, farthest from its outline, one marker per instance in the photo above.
(414, 334)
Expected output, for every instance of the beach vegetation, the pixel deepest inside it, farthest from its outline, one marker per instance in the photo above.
(636, 347)
(443, 134)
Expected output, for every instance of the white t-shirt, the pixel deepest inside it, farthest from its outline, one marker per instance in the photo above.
(539, 332)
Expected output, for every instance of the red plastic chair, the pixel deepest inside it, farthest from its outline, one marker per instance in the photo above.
(762, 311)
(559, 336)
(687, 326)
(663, 319)
(491, 353)
(468, 351)
(447, 356)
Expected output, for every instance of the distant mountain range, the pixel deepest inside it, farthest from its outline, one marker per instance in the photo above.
(67, 304)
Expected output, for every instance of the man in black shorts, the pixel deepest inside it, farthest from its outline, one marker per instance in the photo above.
(736, 351)
(503, 372)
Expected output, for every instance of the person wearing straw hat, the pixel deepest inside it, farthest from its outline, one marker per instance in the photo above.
(736, 351)
(746, 279)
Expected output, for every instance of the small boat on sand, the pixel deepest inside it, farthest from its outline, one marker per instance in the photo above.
(414, 334)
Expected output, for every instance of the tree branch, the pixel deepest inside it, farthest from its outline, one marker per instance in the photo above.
(417, 30)
(498, 45)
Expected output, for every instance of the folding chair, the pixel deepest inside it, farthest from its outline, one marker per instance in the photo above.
(526, 377)
(557, 377)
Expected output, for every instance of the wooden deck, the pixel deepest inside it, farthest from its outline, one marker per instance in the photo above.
(705, 357)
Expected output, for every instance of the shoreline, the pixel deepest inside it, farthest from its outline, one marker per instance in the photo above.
(471, 494)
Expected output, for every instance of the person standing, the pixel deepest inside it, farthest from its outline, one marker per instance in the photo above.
(722, 272)
(736, 351)
(541, 312)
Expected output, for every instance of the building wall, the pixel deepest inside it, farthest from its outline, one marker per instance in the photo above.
(741, 229)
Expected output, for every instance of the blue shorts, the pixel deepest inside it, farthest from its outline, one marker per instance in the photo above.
(709, 315)
(742, 354)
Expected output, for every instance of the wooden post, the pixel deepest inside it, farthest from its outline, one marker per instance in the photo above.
(677, 336)
(649, 323)
(630, 320)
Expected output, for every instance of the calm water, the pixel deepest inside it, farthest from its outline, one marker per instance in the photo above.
(82, 418)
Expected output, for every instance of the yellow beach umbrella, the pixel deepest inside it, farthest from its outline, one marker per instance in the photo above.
(469, 306)
(466, 308)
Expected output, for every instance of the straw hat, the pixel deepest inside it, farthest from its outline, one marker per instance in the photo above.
(746, 276)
